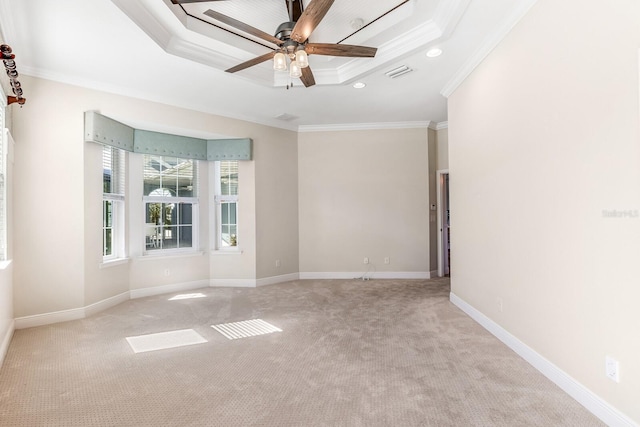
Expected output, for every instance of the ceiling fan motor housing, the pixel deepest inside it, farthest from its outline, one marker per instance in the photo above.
(283, 32)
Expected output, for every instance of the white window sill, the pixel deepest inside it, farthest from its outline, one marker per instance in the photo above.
(236, 251)
(168, 254)
(5, 264)
(114, 262)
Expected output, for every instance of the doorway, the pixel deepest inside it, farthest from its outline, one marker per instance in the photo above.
(444, 224)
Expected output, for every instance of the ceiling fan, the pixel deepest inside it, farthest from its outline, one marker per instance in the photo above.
(292, 39)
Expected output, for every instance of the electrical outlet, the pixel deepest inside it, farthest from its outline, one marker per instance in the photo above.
(612, 369)
(277, 263)
(167, 272)
(366, 260)
(386, 260)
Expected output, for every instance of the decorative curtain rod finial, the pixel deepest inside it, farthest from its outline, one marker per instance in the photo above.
(13, 99)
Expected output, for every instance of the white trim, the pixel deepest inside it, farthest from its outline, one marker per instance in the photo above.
(49, 318)
(6, 340)
(489, 43)
(232, 283)
(440, 221)
(277, 279)
(592, 402)
(369, 275)
(99, 306)
(225, 251)
(161, 254)
(167, 289)
(113, 262)
(442, 125)
(363, 126)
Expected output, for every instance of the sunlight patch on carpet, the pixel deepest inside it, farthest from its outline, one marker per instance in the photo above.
(246, 328)
(164, 340)
(187, 296)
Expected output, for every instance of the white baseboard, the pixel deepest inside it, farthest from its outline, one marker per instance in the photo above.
(277, 279)
(167, 289)
(6, 340)
(99, 306)
(371, 275)
(592, 402)
(232, 283)
(82, 312)
(49, 318)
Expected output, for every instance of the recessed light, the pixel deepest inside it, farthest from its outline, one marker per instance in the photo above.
(434, 52)
(359, 85)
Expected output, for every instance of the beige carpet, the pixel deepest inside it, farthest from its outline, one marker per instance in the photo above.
(351, 353)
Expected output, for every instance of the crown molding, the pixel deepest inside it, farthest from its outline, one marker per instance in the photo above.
(487, 47)
(363, 126)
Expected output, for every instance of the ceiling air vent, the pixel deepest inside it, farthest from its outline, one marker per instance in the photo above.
(397, 72)
(286, 117)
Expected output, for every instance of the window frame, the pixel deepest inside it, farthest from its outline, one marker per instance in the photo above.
(194, 201)
(116, 197)
(218, 199)
(4, 142)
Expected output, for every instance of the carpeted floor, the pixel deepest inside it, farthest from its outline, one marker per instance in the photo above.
(351, 353)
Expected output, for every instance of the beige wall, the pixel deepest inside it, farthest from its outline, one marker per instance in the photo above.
(543, 138)
(364, 194)
(277, 204)
(442, 138)
(58, 198)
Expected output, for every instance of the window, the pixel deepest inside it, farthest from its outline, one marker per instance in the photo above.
(112, 203)
(226, 200)
(170, 200)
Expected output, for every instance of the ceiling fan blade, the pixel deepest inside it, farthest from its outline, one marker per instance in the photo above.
(307, 77)
(309, 20)
(251, 62)
(340, 50)
(242, 26)
(191, 1)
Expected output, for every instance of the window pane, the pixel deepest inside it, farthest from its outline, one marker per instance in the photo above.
(107, 169)
(186, 171)
(225, 213)
(229, 178)
(185, 238)
(107, 214)
(169, 237)
(232, 213)
(185, 213)
(153, 167)
(108, 242)
(225, 235)
(154, 213)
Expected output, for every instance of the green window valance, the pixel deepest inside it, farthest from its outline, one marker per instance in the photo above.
(104, 130)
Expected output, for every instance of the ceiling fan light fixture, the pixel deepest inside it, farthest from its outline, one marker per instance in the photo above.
(302, 59)
(279, 62)
(294, 70)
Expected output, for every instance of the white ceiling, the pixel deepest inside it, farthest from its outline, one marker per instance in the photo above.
(155, 50)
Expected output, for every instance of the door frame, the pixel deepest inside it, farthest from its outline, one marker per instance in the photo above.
(440, 218)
